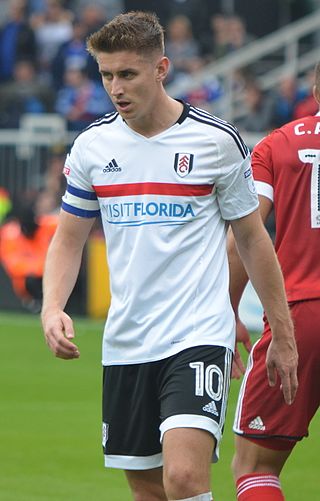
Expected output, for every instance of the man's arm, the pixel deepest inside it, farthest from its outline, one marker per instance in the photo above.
(238, 282)
(61, 271)
(261, 265)
(239, 276)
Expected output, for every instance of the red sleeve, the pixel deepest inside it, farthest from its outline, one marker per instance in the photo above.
(262, 163)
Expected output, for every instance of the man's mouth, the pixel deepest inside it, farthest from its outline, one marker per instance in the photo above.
(123, 105)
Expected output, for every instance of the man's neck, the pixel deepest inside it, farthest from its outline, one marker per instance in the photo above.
(165, 116)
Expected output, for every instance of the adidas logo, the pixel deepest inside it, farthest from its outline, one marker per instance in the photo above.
(211, 407)
(257, 424)
(112, 167)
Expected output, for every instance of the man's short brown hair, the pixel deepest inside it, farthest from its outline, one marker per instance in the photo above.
(135, 31)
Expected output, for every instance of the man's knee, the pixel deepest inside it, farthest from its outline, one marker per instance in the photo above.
(234, 466)
(255, 456)
(182, 480)
(146, 485)
(245, 458)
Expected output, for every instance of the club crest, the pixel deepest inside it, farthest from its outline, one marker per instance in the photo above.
(183, 163)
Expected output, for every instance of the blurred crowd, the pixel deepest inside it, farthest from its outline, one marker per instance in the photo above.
(27, 224)
(45, 67)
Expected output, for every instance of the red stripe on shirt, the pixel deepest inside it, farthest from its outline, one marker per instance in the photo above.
(117, 190)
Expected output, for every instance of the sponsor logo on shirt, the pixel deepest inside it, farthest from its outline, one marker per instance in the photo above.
(66, 170)
(140, 213)
(111, 167)
(183, 163)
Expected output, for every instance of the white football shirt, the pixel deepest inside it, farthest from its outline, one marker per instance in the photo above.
(164, 203)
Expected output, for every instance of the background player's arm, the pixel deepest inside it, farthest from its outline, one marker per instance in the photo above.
(258, 256)
(60, 275)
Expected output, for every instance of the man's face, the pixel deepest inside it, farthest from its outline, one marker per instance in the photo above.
(132, 82)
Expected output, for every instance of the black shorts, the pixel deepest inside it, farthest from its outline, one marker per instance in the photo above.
(142, 401)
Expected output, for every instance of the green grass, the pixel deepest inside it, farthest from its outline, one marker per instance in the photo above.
(50, 425)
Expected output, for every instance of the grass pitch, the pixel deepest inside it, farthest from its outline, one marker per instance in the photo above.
(50, 425)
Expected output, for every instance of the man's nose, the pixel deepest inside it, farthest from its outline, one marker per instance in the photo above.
(116, 87)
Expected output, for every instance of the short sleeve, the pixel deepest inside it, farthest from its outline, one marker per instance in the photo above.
(262, 166)
(80, 198)
(236, 192)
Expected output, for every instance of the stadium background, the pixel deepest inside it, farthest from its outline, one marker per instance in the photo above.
(275, 41)
(50, 410)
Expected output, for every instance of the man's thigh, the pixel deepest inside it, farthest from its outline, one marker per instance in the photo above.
(194, 391)
(130, 435)
(191, 450)
(187, 390)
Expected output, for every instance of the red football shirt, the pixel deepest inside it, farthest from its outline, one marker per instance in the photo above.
(286, 167)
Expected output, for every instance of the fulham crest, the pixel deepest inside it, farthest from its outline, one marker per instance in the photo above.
(183, 163)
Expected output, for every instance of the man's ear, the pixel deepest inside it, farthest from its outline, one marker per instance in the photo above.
(162, 68)
(316, 93)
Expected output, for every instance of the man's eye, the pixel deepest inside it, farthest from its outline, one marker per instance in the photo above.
(106, 76)
(128, 74)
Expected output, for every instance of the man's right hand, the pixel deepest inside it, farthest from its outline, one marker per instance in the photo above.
(58, 330)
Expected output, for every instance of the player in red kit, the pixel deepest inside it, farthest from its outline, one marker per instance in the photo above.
(286, 167)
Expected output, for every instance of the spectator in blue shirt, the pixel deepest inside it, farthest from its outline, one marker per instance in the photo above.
(17, 40)
(81, 100)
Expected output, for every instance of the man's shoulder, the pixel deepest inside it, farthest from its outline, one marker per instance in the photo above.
(298, 130)
(204, 117)
(220, 131)
(300, 122)
(100, 126)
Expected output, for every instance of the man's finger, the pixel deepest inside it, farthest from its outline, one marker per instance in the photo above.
(286, 389)
(248, 345)
(272, 375)
(235, 372)
(290, 387)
